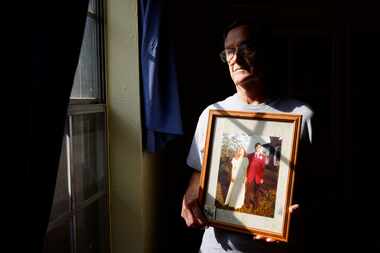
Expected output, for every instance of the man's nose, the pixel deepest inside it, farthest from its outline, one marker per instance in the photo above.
(233, 59)
(239, 58)
(236, 57)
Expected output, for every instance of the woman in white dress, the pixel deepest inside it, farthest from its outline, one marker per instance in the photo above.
(236, 190)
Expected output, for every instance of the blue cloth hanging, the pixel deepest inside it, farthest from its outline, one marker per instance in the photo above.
(161, 108)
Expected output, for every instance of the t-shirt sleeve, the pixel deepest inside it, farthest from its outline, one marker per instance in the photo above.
(195, 156)
(306, 129)
(304, 158)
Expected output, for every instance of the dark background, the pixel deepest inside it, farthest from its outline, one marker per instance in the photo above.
(327, 57)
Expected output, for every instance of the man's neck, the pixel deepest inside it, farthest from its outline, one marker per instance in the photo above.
(251, 95)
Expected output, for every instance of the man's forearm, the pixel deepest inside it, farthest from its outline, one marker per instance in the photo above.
(190, 206)
(194, 182)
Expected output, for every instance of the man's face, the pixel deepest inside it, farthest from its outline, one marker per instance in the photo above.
(241, 67)
(258, 148)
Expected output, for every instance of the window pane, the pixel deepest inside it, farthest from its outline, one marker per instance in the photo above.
(92, 8)
(89, 155)
(92, 228)
(87, 76)
(58, 239)
(61, 202)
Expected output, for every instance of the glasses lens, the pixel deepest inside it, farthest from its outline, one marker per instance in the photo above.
(222, 56)
(230, 52)
(246, 50)
(243, 50)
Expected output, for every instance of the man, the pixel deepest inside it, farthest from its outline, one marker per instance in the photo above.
(255, 174)
(244, 55)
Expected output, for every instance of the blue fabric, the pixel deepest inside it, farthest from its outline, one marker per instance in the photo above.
(161, 108)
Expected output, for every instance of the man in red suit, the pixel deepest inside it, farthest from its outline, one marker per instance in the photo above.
(255, 174)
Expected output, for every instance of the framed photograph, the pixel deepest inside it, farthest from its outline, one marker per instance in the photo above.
(248, 171)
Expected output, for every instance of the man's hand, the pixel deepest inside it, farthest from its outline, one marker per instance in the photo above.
(191, 212)
(268, 239)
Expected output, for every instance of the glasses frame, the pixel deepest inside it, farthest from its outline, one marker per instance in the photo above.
(236, 50)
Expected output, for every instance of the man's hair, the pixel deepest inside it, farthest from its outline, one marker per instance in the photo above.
(259, 31)
(257, 144)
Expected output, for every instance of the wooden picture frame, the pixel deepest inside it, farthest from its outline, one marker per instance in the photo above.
(246, 186)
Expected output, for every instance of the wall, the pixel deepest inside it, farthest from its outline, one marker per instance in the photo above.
(125, 151)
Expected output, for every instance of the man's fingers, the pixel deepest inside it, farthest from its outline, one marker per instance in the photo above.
(192, 215)
(293, 207)
(186, 214)
(188, 217)
(267, 239)
(198, 215)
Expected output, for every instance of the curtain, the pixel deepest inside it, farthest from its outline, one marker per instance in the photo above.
(55, 33)
(161, 106)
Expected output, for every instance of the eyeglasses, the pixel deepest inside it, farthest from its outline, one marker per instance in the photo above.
(245, 50)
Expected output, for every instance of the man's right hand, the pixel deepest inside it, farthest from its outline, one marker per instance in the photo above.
(191, 212)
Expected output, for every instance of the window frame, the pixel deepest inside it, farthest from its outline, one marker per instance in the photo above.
(86, 106)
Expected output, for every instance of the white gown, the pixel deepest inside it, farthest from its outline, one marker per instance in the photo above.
(236, 190)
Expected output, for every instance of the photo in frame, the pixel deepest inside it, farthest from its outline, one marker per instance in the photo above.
(248, 171)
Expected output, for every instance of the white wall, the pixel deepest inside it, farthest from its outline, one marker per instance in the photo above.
(125, 151)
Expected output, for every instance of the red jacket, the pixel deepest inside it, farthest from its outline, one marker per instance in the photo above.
(255, 168)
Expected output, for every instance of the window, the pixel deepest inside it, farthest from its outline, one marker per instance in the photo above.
(79, 216)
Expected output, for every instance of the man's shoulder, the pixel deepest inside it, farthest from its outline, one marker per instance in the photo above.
(292, 105)
(224, 104)
(220, 105)
(251, 155)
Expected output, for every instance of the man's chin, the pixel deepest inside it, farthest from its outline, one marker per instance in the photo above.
(248, 81)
